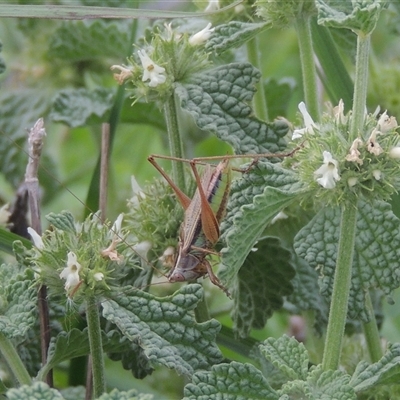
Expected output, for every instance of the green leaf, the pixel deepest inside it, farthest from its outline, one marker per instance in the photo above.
(7, 240)
(375, 262)
(306, 295)
(263, 280)
(19, 110)
(234, 381)
(88, 40)
(78, 107)
(165, 329)
(335, 77)
(252, 205)
(278, 95)
(357, 15)
(233, 34)
(218, 101)
(39, 390)
(320, 385)
(384, 372)
(63, 221)
(288, 355)
(122, 395)
(18, 302)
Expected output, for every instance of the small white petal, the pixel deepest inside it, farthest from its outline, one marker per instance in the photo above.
(328, 171)
(395, 153)
(71, 272)
(152, 71)
(377, 174)
(308, 122)
(116, 228)
(202, 36)
(352, 181)
(98, 276)
(37, 240)
(386, 123)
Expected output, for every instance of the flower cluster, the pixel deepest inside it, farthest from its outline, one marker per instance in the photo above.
(151, 71)
(338, 167)
(78, 259)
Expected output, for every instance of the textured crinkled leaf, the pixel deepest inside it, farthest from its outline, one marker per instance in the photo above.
(18, 311)
(165, 328)
(218, 101)
(252, 205)
(384, 372)
(86, 40)
(234, 381)
(128, 395)
(38, 390)
(306, 294)
(357, 15)
(376, 262)
(74, 393)
(63, 221)
(233, 34)
(78, 107)
(19, 110)
(263, 280)
(288, 355)
(320, 385)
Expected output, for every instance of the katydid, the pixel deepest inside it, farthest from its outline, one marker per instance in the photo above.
(199, 231)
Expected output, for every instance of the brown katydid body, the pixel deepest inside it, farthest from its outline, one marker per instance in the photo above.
(199, 231)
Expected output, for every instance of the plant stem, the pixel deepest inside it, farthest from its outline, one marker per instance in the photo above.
(260, 102)
(371, 332)
(14, 361)
(175, 140)
(308, 69)
(341, 288)
(96, 346)
(360, 85)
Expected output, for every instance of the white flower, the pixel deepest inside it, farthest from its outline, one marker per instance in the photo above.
(328, 172)
(213, 5)
(142, 248)
(308, 122)
(386, 123)
(71, 272)
(116, 228)
(202, 36)
(137, 192)
(98, 276)
(125, 73)
(338, 113)
(352, 181)
(152, 71)
(4, 215)
(395, 153)
(37, 240)
(354, 154)
(373, 146)
(377, 174)
(111, 250)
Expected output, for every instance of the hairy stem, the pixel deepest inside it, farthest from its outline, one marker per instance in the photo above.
(308, 69)
(259, 100)
(175, 140)
(96, 346)
(371, 332)
(341, 288)
(360, 85)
